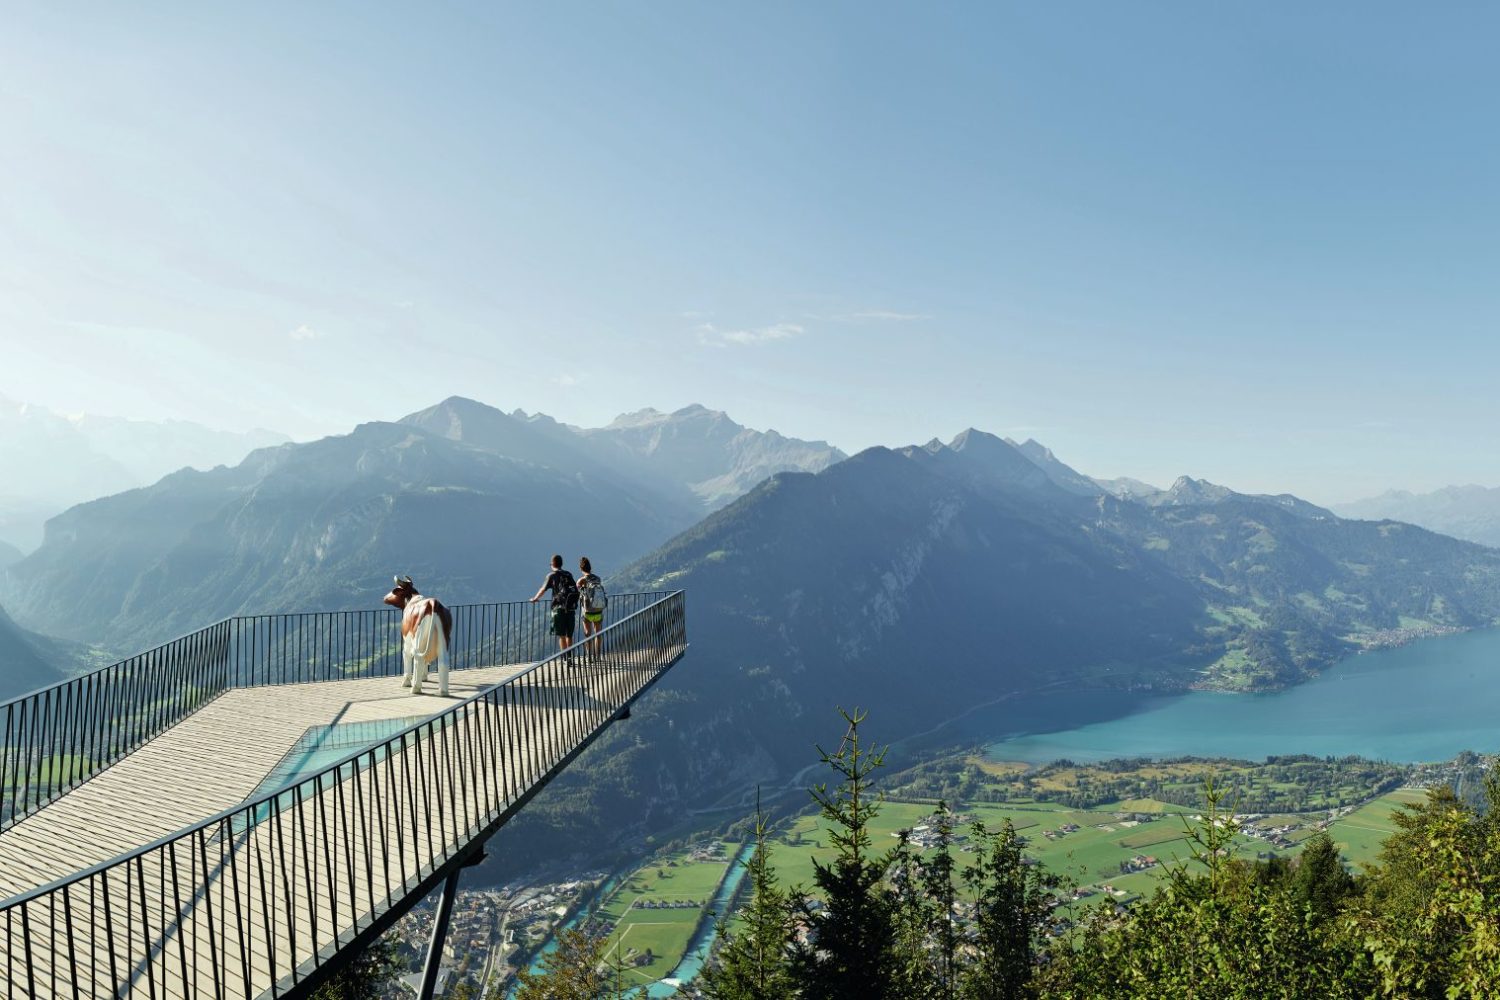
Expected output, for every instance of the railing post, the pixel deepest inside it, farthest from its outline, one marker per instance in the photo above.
(453, 776)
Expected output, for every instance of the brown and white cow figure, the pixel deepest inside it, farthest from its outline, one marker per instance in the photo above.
(422, 640)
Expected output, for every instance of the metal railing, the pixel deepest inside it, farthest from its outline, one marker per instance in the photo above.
(255, 901)
(56, 737)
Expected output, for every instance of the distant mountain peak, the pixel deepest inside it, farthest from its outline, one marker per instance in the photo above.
(1469, 511)
(971, 437)
(648, 416)
(694, 409)
(75, 458)
(1186, 489)
(1033, 449)
(1061, 474)
(465, 403)
(1127, 488)
(986, 461)
(635, 418)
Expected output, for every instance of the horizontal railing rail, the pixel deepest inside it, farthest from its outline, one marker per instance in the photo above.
(253, 901)
(57, 737)
(338, 645)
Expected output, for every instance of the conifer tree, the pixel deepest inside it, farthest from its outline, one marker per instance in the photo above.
(1012, 903)
(851, 955)
(1432, 907)
(938, 878)
(463, 989)
(368, 976)
(755, 964)
(1319, 881)
(923, 894)
(913, 919)
(578, 969)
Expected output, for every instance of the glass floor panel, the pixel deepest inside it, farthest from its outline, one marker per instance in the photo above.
(316, 749)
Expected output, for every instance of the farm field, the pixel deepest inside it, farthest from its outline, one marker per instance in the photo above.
(1093, 854)
(1295, 783)
(1123, 849)
(656, 909)
(1359, 834)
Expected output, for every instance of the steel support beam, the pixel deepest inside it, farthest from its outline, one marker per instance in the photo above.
(440, 923)
(439, 935)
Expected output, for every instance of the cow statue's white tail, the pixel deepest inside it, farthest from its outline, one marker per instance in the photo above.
(426, 628)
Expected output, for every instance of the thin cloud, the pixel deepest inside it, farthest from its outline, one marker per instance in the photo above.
(862, 316)
(305, 332)
(712, 336)
(566, 380)
(887, 316)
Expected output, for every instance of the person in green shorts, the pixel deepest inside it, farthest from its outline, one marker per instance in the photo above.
(564, 602)
(594, 602)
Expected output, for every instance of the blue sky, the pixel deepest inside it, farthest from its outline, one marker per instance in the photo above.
(1258, 245)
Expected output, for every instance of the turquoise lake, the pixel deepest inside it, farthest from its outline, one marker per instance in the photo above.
(1422, 702)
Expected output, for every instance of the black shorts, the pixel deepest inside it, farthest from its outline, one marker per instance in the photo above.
(563, 622)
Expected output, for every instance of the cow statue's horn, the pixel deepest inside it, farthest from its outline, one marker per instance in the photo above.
(403, 581)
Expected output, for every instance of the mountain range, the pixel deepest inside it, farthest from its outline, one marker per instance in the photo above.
(714, 457)
(1470, 512)
(915, 581)
(70, 459)
(469, 500)
(920, 582)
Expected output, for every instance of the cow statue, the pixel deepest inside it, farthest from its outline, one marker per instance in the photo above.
(423, 641)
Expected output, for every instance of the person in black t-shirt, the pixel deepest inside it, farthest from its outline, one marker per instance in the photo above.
(564, 602)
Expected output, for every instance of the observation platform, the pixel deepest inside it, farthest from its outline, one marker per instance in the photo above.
(238, 813)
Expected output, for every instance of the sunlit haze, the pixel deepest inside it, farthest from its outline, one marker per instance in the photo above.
(1255, 246)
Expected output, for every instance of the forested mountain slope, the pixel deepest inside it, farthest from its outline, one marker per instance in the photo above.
(322, 526)
(468, 499)
(921, 582)
(28, 661)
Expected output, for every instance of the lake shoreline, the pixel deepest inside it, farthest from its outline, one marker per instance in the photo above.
(1415, 702)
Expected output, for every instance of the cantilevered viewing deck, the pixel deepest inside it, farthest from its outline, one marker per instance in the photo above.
(237, 813)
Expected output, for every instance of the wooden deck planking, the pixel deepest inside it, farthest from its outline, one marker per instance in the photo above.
(334, 880)
(352, 894)
(164, 785)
